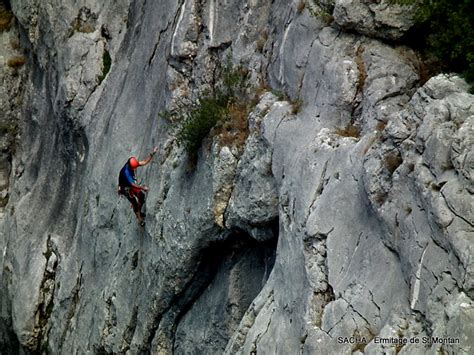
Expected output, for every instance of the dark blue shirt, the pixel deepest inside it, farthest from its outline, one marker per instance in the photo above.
(127, 176)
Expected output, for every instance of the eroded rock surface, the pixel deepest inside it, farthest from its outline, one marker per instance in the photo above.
(346, 212)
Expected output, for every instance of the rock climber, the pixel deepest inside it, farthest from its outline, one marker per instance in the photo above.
(130, 189)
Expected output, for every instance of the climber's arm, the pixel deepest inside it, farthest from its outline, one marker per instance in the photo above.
(149, 158)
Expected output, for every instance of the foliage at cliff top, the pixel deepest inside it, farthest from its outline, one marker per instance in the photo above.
(446, 31)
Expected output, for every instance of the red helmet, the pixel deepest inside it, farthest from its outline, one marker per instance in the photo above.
(133, 163)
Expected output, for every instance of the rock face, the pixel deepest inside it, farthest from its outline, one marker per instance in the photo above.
(381, 19)
(346, 216)
(12, 74)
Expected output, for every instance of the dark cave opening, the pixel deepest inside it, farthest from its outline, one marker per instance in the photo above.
(234, 271)
(230, 273)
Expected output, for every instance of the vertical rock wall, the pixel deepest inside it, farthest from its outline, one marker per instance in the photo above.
(346, 213)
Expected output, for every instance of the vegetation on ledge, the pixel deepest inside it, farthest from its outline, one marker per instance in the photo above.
(220, 111)
(444, 32)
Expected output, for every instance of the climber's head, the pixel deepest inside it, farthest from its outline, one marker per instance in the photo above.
(133, 162)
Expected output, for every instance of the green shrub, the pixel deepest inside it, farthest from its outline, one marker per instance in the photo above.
(444, 32)
(198, 121)
(322, 11)
(234, 82)
(220, 111)
(280, 95)
(106, 63)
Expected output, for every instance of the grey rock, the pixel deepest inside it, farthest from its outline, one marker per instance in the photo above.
(380, 19)
(254, 201)
(231, 291)
(301, 235)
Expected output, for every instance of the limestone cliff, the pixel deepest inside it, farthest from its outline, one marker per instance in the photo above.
(346, 212)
